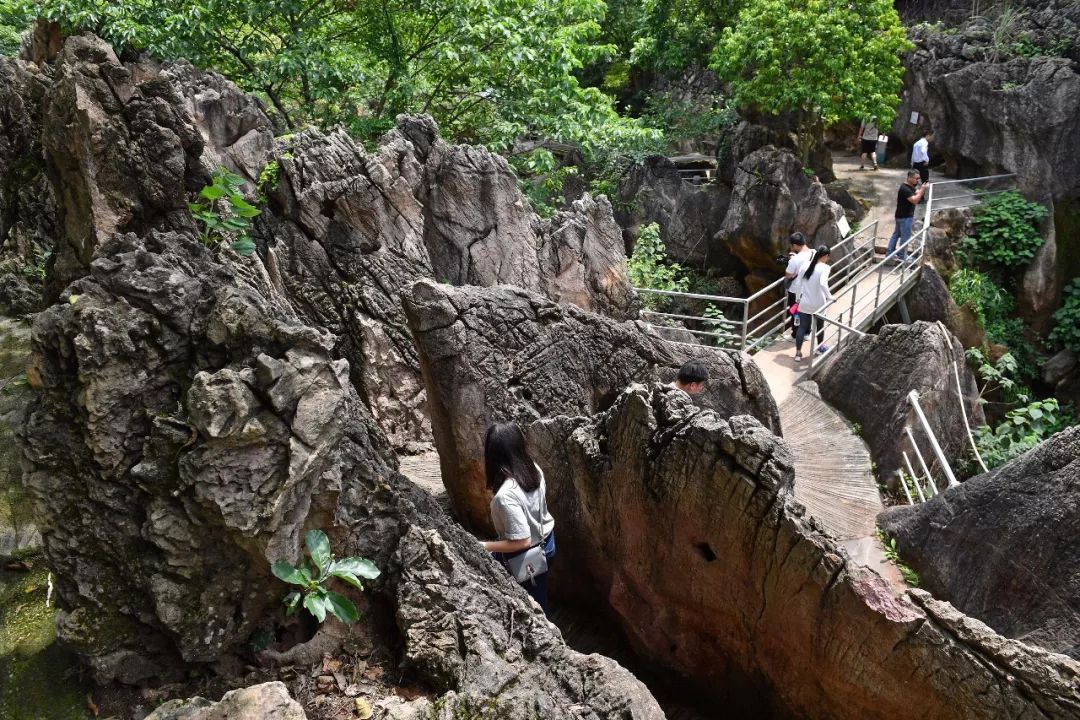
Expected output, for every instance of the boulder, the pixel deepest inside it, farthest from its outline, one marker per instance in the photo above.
(930, 300)
(688, 215)
(773, 197)
(871, 376)
(682, 524)
(505, 354)
(18, 532)
(948, 228)
(1002, 546)
(269, 701)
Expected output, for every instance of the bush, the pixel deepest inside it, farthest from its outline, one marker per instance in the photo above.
(1066, 332)
(313, 575)
(651, 269)
(1006, 231)
(993, 307)
(1021, 430)
(224, 213)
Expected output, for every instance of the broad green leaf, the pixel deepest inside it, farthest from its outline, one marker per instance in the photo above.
(244, 246)
(319, 547)
(316, 605)
(347, 577)
(286, 572)
(356, 566)
(212, 192)
(342, 608)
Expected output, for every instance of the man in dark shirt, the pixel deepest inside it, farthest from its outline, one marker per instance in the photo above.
(907, 197)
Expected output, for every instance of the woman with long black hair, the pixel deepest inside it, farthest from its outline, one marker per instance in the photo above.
(526, 544)
(813, 296)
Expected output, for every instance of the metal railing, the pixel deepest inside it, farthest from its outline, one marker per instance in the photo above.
(921, 478)
(863, 288)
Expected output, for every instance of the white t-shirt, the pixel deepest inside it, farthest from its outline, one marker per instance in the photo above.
(919, 151)
(515, 513)
(870, 131)
(797, 264)
(815, 289)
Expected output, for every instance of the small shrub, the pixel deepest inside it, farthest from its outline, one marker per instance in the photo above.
(992, 307)
(224, 213)
(1006, 231)
(313, 575)
(541, 180)
(1021, 430)
(893, 555)
(1066, 332)
(651, 269)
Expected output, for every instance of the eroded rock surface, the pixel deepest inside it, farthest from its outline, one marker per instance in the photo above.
(870, 378)
(505, 354)
(269, 701)
(1001, 547)
(341, 230)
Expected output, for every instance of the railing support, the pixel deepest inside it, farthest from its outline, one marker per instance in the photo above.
(745, 323)
(913, 398)
(914, 477)
(922, 461)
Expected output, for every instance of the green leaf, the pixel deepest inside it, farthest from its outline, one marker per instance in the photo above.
(316, 605)
(292, 575)
(243, 246)
(341, 607)
(319, 547)
(356, 566)
(212, 192)
(292, 600)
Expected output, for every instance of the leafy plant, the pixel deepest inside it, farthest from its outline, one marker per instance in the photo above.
(893, 555)
(1021, 430)
(856, 429)
(650, 267)
(1066, 332)
(224, 213)
(312, 576)
(1006, 231)
(999, 377)
(992, 307)
(268, 177)
(542, 180)
(38, 270)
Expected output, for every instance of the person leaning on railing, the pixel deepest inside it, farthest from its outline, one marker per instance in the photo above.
(907, 197)
(813, 296)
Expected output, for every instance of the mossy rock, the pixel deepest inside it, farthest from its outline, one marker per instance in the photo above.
(38, 677)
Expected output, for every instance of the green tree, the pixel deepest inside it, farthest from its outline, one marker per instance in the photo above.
(12, 25)
(821, 59)
(487, 70)
(676, 34)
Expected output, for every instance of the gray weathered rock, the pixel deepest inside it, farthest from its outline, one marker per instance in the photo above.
(682, 523)
(18, 533)
(931, 301)
(502, 353)
(1002, 546)
(269, 701)
(871, 376)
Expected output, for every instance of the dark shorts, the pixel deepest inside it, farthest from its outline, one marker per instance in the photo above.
(869, 146)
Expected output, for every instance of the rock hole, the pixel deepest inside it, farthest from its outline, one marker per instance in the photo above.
(705, 551)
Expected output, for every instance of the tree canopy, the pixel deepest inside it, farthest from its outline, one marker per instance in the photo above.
(824, 59)
(487, 70)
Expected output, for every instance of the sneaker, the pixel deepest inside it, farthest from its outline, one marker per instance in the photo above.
(874, 168)
(822, 349)
(861, 167)
(798, 357)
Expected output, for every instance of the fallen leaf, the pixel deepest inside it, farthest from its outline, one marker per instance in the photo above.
(363, 709)
(331, 665)
(92, 706)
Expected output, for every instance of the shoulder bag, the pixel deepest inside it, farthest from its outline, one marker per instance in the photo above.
(526, 565)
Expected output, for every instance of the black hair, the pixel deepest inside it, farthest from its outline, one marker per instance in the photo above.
(797, 238)
(507, 456)
(912, 173)
(822, 251)
(693, 371)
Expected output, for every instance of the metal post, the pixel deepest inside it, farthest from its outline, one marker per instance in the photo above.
(913, 398)
(745, 322)
(900, 475)
(963, 414)
(851, 313)
(922, 461)
(914, 478)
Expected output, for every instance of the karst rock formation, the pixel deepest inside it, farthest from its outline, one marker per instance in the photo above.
(197, 411)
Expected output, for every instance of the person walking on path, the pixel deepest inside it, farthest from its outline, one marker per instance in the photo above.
(813, 296)
(907, 197)
(868, 136)
(920, 156)
(800, 255)
(519, 511)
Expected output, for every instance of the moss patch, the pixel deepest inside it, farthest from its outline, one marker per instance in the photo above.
(38, 678)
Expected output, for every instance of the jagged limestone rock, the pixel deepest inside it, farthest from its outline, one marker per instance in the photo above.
(870, 378)
(269, 701)
(1001, 546)
(505, 354)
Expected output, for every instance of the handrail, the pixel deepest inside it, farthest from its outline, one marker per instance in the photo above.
(692, 296)
(913, 398)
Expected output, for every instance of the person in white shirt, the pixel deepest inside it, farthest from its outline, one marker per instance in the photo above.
(519, 505)
(798, 258)
(813, 296)
(868, 135)
(920, 156)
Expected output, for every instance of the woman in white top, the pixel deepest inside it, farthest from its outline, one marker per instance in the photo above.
(519, 506)
(813, 296)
